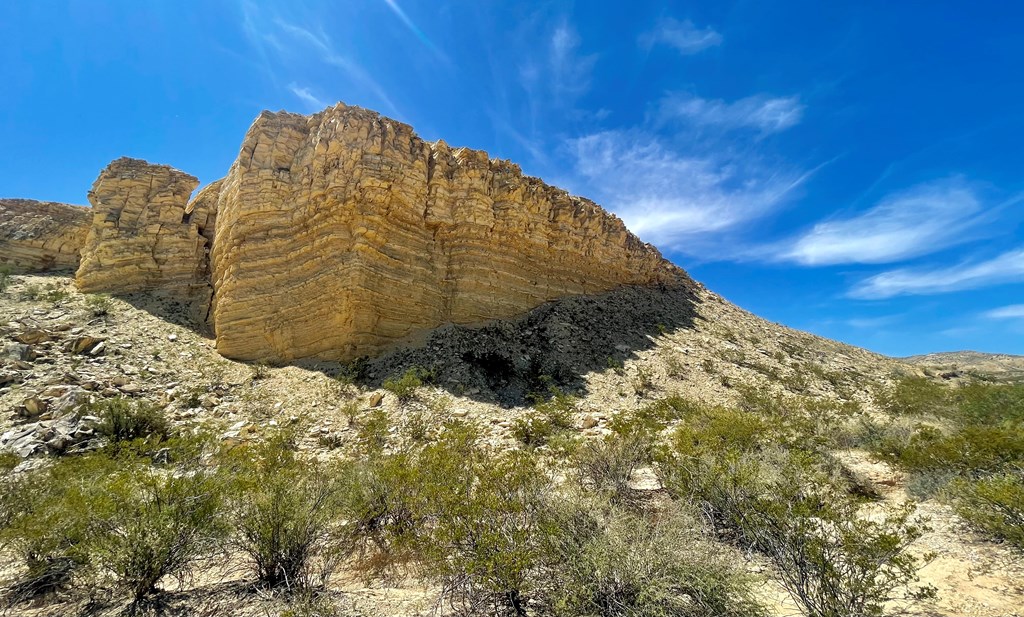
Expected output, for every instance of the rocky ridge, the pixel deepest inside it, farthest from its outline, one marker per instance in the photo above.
(344, 234)
(41, 235)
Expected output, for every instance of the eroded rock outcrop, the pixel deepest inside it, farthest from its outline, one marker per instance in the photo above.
(341, 233)
(143, 235)
(41, 235)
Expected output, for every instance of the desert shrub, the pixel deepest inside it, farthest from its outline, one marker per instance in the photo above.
(373, 430)
(147, 524)
(284, 512)
(994, 505)
(99, 305)
(651, 419)
(124, 420)
(533, 429)
(45, 516)
(795, 506)
(395, 496)
(607, 465)
(8, 461)
(835, 563)
(5, 278)
(626, 565)
(643, 381)
(990, 404)
(915, 396)
(486, 546)
(969, 449)
(404, 387)
(558, 408)
(548, 418)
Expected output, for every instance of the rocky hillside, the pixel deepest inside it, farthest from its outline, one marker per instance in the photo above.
(614, 353)
(1003, 367)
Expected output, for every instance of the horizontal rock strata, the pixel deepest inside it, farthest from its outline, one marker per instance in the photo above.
(338, 235)
(144, 237)
(41, 235)
(341, 233)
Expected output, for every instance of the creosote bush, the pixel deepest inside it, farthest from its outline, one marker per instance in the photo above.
(404, 387)
(615, 563)
(123, 420)
(993, 504)
(149, 523)
(284, 510)
(767, 488)
(606, 466)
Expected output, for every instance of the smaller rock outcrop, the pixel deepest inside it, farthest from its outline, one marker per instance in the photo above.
(144, 236)
(41, 235)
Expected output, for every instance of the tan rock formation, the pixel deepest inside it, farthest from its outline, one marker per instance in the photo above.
(143, 236)
(341, 233)
(41, 235)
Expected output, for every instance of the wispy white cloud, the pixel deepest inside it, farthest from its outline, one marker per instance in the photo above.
(570, 70)
(673, 198)
(683, 36)
(282, 44)
(1013, 311)
(306, 96)
(417, 32)
(924, 219)
(1005, 268)
(763, 113)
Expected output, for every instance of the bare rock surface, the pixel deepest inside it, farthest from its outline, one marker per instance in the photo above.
(41, 235)
(341, 233)
(142, 236)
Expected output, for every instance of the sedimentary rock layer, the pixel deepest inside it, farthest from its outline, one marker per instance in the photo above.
(143, 236)
(41, 235)
(341, 233)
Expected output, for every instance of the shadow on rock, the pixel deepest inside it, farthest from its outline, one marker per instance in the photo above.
(511, 362)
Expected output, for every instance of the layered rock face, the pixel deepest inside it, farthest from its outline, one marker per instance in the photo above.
(144, 236)
(41, 235)
(341, 233)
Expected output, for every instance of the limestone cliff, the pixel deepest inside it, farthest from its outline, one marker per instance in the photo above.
(340, 233)
(41, 235)
(143, 236)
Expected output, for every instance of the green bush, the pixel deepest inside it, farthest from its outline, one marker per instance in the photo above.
(990, 404)
(794, 506)
(994, 505)
(284, 511)
(486, 546)
(627, 565)
(99, 305)
(974, 448)
(915, 396)
(394, 497)
(147, 524)
(834, 563)
(533, 429)
(5, 278)
(124, 420)
(46, 520)
(606, 466)
(404, 387)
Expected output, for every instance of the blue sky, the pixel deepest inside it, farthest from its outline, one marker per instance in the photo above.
(852, 169)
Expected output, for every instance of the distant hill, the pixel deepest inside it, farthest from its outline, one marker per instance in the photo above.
(1004, 367)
